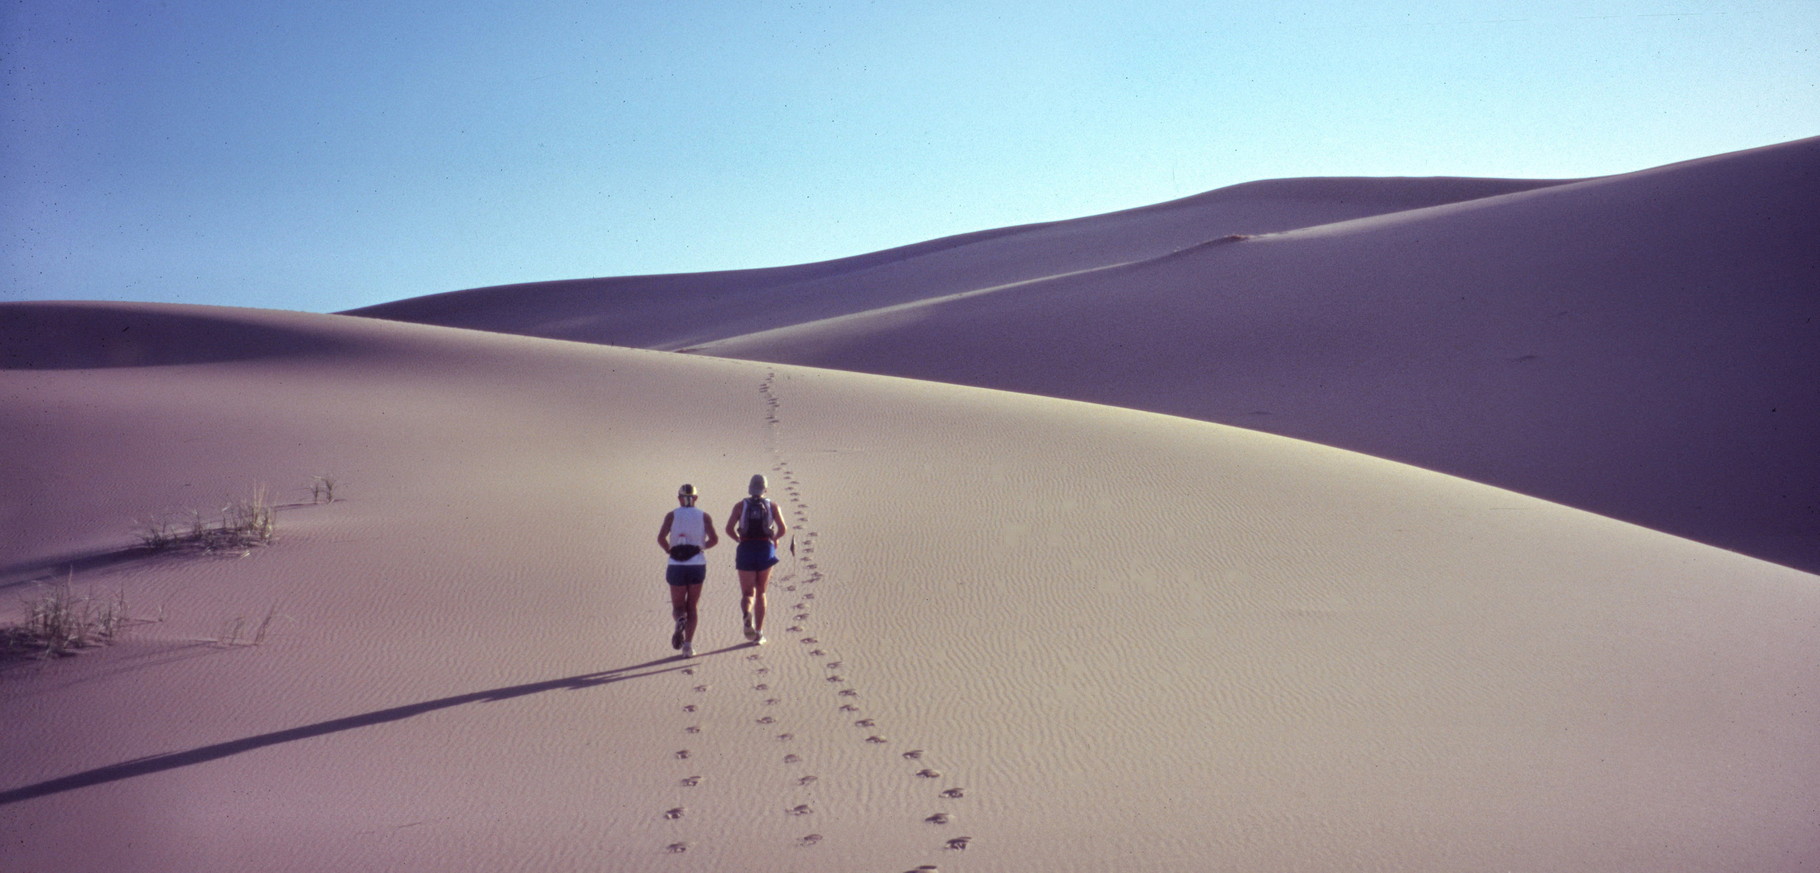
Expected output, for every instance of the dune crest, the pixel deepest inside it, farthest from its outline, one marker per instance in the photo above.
(678, 311)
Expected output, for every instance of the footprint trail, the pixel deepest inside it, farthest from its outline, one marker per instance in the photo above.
(800, 786)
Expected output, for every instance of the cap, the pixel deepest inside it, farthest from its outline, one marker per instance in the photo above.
(686, 491)
(758, 486)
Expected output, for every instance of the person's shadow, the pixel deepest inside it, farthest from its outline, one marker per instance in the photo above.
(201, 754)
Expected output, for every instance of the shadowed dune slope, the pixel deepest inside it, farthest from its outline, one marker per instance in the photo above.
(1009, 632)
(1645, 346)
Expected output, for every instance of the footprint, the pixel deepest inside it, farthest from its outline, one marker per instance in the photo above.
(802, 809)
(931, 774)
(848, 707)
(682, 755)
(690, 781)
(688, 707)
(677, 848)
(959, 844)
(772, 701)
(813, 839)
(767, 720)
(807, 780)
(761, 687)
(939, 818)
(784, 738)
(674, 813)
(865, 722)
(794, 629)
(816, 653)
(848, 692)
(793, 759)
(692, 729)
(700, 688)
(954, 794)
(762, 670)
(836, 679)
(876, 740)
(914, 754)
(688, 671)
(810, 641)
(834, 665)
(802, 616)
(754, 656)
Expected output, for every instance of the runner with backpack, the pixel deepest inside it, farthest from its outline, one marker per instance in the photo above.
(756, 524)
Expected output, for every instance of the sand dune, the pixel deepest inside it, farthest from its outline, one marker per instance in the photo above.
(1113, 639)
(677, 311)
(1642, 346)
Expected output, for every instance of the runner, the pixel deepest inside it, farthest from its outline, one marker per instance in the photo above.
(756, 524)
(686, 535)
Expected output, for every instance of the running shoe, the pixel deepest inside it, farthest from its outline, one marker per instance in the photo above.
(752, 634)
(688, 650)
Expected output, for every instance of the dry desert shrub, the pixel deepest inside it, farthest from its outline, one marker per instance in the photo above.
(239, 527)
(58, 621)
(236, 632)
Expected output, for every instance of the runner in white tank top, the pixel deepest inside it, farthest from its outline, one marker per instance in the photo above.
(688, 527)
(686, 536)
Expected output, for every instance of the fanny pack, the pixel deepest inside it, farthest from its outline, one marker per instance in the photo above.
(684, 552)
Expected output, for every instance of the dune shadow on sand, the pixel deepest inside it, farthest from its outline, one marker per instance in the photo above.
(48, 569)
(216, 751)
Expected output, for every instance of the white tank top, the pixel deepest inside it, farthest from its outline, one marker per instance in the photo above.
(689, 526)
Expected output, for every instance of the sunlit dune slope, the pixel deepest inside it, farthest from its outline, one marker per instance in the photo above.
(1010, 632)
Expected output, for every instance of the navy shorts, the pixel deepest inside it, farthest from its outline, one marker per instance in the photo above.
(686, 574)
(755, 555)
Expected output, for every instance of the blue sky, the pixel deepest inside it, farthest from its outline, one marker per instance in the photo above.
(329, 154)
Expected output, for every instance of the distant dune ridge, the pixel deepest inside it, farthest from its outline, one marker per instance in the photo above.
(1010, 631)
(1643, 346)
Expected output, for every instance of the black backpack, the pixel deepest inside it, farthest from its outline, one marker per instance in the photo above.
(755, 522)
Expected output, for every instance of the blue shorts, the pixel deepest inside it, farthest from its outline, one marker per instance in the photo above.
(755, 555)
(686, 574)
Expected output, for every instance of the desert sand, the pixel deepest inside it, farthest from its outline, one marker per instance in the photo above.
(1010, 632)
